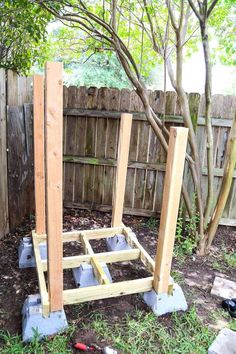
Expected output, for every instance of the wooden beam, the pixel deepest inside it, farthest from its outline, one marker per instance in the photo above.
(102, 233)
(145, 258)
(41, 279)
(70, 236)
(98, 292)
(107, 257)
(86, 245)
(170, 118)
(121, 171)
(99, 272)
(39, 145)
(54, 130)
(170, 206)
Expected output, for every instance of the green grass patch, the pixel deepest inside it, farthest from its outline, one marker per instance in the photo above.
(143, 333)
(219, 314)
(230, 259)
(59, 344)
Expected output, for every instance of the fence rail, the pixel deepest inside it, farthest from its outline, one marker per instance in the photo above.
(91, 128)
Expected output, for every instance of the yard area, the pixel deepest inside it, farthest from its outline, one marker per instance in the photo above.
(117, 174)
(125, 323)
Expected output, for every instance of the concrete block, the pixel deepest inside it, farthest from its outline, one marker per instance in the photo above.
(26, 253)
(164, 303)
(117, 243)
(34, 322)
(224, 288)
(84, 275)
(225, 343)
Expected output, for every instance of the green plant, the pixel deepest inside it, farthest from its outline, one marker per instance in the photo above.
(143, 333)
(12, 344)
(186, 235)
(152, 223)
(218, 314)
(217, 266)
(230, 259)
(177, 276)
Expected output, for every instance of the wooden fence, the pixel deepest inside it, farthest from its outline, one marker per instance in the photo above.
(91, 126)
(16, 150)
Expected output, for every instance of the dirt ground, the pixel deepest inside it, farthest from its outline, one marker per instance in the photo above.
(195, 275)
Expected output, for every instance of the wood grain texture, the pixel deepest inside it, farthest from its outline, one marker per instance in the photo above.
(39, 161)
(20, 163)
(91, 123)
(54, 131)
(170, 207)
(121, 172)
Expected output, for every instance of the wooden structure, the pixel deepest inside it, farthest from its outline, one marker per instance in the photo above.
(90, 127)
(52, 294)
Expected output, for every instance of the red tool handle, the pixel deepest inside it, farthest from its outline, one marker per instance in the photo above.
(83, 347)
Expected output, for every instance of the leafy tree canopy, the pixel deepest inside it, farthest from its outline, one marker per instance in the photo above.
(22, 32)
(24, 39)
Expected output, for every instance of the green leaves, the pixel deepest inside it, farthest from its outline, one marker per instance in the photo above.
(22, 32)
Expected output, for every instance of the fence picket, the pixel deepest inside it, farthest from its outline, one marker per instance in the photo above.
(91, 125)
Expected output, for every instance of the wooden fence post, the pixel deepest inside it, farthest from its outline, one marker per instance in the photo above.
(121, 172)
(39, 145)
(4, 217)
(54, 132)
(170, 206)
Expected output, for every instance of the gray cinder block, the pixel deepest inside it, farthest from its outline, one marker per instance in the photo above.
(26, 253)
(164, 303)
(34, 322)
(117, 243)
(225, 343)
(84, 275)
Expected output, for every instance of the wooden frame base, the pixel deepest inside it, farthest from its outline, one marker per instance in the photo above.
(105, 289)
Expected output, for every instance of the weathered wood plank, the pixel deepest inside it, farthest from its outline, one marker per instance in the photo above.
(4, 223)
(20, 164)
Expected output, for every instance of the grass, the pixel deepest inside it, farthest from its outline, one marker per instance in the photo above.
(177, 276)
(136, 333)
(143, 334)
(59, 344)
(220, 314)
(225, 261)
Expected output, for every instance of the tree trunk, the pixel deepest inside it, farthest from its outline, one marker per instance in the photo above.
(230, 161)
(184, 104)
(209, 133)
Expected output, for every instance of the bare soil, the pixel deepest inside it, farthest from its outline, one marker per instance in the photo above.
(195, 275)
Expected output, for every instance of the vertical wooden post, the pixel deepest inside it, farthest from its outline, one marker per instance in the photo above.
(54, 131)
(170, 205)
(39, 168)
(4, 216)
(121, 171)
